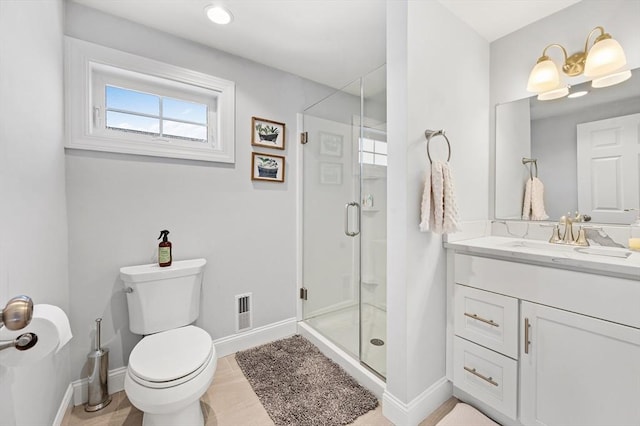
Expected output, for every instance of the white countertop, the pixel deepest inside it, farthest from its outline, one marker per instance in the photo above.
(613, 261)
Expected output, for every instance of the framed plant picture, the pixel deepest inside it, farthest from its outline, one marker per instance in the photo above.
(330, 144)
(267, 167)
(267, 133)
(331, 173)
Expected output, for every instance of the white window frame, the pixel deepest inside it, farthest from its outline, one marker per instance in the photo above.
(88, 67)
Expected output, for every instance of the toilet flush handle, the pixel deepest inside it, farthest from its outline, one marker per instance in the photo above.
(128, 290)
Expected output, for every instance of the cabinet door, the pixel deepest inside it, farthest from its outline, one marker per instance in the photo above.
(577, 370)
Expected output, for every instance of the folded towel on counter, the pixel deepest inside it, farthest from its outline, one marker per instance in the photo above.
(533, 206)
(439, 212)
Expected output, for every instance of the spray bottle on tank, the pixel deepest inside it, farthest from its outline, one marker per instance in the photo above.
(164, 249)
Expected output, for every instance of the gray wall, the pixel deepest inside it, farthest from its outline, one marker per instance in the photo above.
(118, 203)
(33, 226)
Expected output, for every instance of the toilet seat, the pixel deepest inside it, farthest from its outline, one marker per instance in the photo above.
(170, 358)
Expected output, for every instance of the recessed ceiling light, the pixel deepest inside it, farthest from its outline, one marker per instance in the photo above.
(219, 15)
(578, 94)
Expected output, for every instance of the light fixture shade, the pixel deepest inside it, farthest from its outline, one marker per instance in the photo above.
(611, 79)
(603, 58)
(554, 94)
(544, 77)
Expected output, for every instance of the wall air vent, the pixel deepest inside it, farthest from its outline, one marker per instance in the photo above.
(243, 308)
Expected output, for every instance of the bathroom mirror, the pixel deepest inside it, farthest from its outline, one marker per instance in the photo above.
(587, 150)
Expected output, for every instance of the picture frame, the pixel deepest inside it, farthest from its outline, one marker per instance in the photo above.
(267, 133)
(330, 144)
(331, 173)
(267, 167)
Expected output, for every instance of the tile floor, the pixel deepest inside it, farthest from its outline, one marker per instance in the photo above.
(230, 401)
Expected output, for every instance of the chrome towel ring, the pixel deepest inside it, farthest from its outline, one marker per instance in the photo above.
(432, 133)
(526, 161)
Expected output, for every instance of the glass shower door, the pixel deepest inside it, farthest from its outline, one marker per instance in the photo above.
(344, 219)
(331, 218)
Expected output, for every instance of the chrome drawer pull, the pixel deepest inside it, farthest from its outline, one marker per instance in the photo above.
(475, 373)
(527, 341)
(486, 321)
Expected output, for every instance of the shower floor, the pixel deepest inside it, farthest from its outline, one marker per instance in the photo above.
(341, 327)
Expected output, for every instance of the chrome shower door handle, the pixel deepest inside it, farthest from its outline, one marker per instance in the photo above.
(346, 219)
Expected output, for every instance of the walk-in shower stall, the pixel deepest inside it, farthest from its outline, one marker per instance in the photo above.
(344, 215)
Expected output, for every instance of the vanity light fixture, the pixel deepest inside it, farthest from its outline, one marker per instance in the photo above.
(605, 63)
(218, 14)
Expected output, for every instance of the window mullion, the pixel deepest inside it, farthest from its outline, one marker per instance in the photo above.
(124, 111)
(160, 101)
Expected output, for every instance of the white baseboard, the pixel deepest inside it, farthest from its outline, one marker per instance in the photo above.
(411, 414)
(65, 406)
(115, 384)
(255, 337)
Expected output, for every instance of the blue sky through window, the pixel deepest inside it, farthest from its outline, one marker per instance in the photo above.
(132, 101)
(133, 109)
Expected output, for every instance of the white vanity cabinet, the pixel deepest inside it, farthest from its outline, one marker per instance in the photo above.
(577, 370)
(581, 365)
(486, 347)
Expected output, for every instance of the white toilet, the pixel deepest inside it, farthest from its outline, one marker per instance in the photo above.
(173, 365)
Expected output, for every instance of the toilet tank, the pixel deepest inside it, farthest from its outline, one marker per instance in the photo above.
(163, 298)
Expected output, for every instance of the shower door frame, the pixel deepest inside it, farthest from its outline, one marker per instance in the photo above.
(370, 372)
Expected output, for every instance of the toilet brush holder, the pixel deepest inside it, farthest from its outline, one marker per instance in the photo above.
(98, 361)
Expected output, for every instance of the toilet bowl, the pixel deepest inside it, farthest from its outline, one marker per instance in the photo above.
(173, 365)
(168, 372)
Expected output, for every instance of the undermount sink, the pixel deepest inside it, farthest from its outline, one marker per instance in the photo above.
(566, 248)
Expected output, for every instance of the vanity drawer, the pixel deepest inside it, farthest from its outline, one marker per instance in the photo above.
(488, 319)
(486, 375)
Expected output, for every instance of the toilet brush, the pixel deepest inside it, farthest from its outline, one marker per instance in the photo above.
(98, 361)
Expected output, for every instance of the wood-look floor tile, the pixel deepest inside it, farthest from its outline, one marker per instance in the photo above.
(372, 418)
(101, 417)
(252, 414)
(440, 412)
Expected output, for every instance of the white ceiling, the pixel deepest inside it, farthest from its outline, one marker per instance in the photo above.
(493, 19)
(329, 41)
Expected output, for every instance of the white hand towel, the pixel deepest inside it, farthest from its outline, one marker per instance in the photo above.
(533, 206)
(439, 212)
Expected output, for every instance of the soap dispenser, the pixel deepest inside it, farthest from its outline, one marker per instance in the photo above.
(164, 249)
(634, 240)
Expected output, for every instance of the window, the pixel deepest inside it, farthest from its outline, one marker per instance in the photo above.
(128, 110)
(373, 152)
(124, 103)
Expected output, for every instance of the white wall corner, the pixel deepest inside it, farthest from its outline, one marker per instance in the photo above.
(470, 229)
(411, 414)
(258, 336)
(65, 406)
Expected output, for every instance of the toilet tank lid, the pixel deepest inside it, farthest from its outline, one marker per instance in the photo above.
(152, 272)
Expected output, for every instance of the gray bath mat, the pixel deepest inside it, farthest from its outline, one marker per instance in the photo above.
(298, 385)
